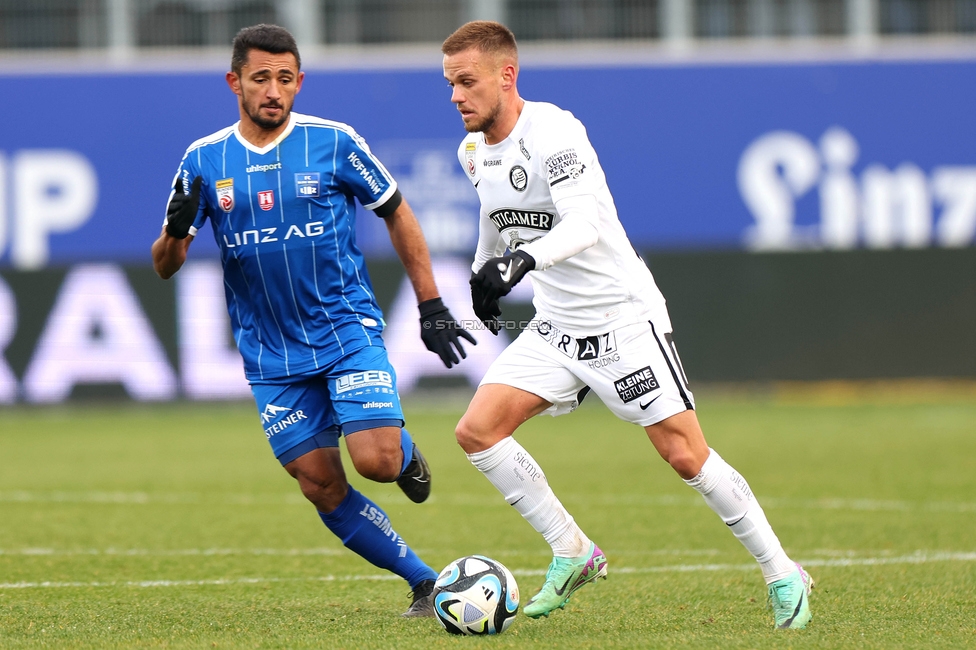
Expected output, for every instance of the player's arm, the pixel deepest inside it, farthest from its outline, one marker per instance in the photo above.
(169, 249)
(410, 246)
(576, 231)
(491, 245)
(440, 332)
(169, 253)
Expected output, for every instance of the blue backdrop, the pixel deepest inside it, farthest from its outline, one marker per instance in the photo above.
(791, 156)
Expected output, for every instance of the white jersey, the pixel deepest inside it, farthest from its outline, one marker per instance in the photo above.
(548, 157)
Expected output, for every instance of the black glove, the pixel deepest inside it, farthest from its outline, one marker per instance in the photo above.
(486, 313)
(182, 209)
(497, 277)
(439, 331)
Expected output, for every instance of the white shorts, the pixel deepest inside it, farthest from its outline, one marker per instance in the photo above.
(635, 370)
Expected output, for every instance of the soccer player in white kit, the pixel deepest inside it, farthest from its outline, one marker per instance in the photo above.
(601, 323)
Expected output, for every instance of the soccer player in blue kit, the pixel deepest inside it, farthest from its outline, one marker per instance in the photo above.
(279, 190)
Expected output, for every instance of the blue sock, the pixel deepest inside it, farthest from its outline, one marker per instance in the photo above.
(406, 444)
(365, 530)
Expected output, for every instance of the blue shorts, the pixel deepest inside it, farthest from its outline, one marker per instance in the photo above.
(304, 413)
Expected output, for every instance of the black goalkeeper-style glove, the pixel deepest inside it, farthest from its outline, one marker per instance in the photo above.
(182, 209)
(439, 331)
(497, 277)
(486, 313)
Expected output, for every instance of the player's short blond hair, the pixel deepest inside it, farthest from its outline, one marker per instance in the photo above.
(485, 35)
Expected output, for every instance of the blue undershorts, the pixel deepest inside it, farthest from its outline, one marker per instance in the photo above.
(304, 413)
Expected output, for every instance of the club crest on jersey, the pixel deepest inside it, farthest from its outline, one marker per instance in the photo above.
(307, 185)
(518, 178)
(225, 194)
(266, 199)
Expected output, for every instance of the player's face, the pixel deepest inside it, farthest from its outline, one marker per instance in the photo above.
(267, 86)
(477, 81)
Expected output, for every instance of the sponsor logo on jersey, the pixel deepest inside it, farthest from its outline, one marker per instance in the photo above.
(518, 178)
(564, 166)
(266, 199)
(525, 152)
(636, 384)
(505, 218)
(516, 240)
(263, 168)
(376, 186)
(269, 235)
(492, 162)
(307, 185)
(272, 412)
(378, 405)
(225, 194)
(378, 381)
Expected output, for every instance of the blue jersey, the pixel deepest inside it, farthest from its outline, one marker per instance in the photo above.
(283, 215)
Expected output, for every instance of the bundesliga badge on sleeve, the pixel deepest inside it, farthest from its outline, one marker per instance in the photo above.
(225, 194)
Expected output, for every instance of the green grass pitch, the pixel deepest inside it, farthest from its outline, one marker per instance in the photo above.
(172, 526)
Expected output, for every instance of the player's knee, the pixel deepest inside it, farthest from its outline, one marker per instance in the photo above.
(467, 436)
(324, 493)
(684, 462)
(382, 468)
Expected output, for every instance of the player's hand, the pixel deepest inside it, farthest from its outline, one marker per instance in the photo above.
(441, 333)
(497, 277)
(487, 313)
(182, 209)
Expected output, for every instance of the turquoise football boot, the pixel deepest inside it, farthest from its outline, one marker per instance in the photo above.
(790, 598)
(566, 575)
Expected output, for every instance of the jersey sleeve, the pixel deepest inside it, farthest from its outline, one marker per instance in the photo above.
(568, 159)
(188, 170)
(490, 243)
(364, 175)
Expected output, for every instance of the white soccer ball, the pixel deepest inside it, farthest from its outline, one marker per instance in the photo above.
(475, 595)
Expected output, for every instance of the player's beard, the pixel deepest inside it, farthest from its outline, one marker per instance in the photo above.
(266, 123)
(485, 123)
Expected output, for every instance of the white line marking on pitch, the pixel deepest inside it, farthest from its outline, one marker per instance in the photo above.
(914, 558)
(169, 552)
(191, 498)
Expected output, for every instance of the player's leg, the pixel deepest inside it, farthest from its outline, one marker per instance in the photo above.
(299, 423)
(521, 384)
(360, 523)
(679, 440)
(363, 393)
(362, 389)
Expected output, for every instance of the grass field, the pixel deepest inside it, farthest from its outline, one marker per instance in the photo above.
(124, 526)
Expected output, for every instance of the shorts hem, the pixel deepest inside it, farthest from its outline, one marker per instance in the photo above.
(322, 439)
(362, 425)
(664, 415)
(553, 402)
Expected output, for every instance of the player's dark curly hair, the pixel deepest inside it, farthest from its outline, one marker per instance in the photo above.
(267, 38)
(486, 35)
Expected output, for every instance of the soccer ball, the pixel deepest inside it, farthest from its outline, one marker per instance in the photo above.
(475, 595)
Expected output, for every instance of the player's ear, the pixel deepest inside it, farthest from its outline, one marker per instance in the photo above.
(234, 81)
(298, 83)
(509, 75)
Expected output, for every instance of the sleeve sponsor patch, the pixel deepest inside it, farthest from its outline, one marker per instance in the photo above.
(564, 166)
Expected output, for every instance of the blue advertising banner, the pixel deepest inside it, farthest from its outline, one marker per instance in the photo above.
(794, 156)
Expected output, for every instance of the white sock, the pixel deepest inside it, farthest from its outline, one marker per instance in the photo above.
(727, 493)
(520, 480)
